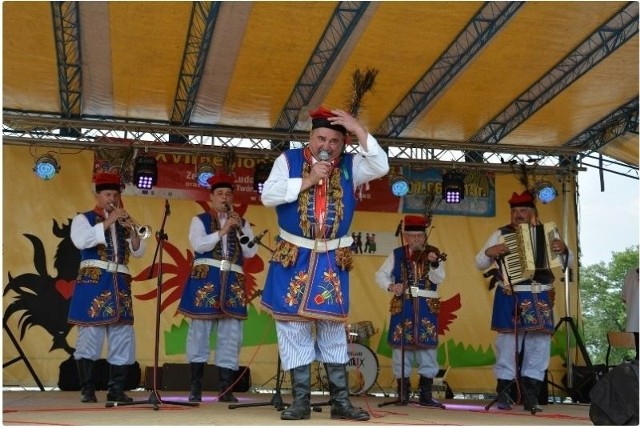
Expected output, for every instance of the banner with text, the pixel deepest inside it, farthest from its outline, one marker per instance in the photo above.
(177, 179)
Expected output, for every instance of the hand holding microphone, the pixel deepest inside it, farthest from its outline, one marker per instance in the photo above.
(323, 156)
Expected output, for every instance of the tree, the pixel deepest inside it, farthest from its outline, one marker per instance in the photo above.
(602, 307)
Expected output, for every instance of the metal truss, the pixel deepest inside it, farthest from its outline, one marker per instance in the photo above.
(478, 32)
(66, 32)
(624, 119)
(201, 26)
(617, 31)
(341, 25)
(20, 128)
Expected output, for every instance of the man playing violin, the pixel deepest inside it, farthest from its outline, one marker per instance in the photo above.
(101, 305)
(214, 295)
(412, 273)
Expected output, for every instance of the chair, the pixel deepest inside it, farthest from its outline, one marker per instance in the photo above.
(619, 339)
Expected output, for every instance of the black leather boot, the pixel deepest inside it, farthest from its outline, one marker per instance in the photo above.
(531, 390)
(341, 407)
(300, 408)
(116, 384)
(404, 391)
(197, 372)
(86, 374)
(504, 398)
(225, 380)
(426, 396)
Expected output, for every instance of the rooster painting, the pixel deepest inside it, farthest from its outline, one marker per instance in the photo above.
(43, 299)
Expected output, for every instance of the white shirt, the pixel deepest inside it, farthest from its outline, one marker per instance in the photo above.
(86, 236)
(201, 242)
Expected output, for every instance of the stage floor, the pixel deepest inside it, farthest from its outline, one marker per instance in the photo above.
(64, 408)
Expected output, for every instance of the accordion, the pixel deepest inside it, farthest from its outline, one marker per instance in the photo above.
(529, 250)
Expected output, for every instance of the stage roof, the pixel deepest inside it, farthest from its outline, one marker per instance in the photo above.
(550, 75)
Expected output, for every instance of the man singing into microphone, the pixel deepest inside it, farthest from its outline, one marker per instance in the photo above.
(522, 313)
(307, 285)
(214, 295)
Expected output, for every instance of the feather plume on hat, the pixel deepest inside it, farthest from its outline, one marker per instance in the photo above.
(362, 82)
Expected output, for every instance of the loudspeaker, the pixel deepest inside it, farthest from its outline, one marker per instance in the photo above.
(68, 379)
(583, 380)
(177, 377)
(614, 398)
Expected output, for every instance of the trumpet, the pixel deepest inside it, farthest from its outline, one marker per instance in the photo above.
(143, 231)
(244, 239)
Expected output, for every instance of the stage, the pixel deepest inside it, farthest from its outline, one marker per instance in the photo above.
(64, 408)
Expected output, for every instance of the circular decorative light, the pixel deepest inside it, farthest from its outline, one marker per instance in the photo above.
(205, 172)
(399, 185)
(545, 192)
(46, 167)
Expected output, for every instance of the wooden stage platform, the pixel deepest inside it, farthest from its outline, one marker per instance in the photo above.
(38, 408)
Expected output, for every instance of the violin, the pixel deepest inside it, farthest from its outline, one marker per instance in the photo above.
(421, 256)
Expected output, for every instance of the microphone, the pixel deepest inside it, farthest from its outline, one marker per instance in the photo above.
(258, 238)
(399, 228)
(167, 207)
(323, 155)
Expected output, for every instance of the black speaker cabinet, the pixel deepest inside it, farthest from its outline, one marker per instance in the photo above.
(583, 380)
(177, 377)
(68, 379)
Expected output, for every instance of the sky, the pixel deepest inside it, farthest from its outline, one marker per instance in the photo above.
(607, 221)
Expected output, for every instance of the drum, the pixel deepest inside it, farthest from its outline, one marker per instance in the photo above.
(360, 331)
(362, 368)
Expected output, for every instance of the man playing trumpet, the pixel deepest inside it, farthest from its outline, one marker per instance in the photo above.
(101, 305)
(214, 295)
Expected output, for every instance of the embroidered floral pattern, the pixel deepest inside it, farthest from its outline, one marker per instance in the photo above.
(330, 290)
(199, 271)
(396, 305)
(545, 311)
(239, 296)
(205, 297)
(428, 330)
(89, 274)
(434, 305)
(285, 253)
(344, 259)
(126, 306)
(527, 312)
(103, 305)
(296, 289)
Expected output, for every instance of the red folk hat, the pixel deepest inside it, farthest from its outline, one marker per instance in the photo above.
(320, 119)
(108, 181)
(415, 223)
(525, 199)
(221, 180)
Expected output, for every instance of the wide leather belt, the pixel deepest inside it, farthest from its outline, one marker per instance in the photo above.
(319, 245)
(533, 288)
(417, 292)
(108, 266)
(224, 265)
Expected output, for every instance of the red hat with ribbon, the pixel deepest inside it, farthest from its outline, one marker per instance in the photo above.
(320, 119)
(414, 223)
(108, 181)
(525, 199)
(221, 180)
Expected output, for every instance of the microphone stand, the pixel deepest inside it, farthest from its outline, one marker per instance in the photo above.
(400, 401)
(276, 399)
(154, 399)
